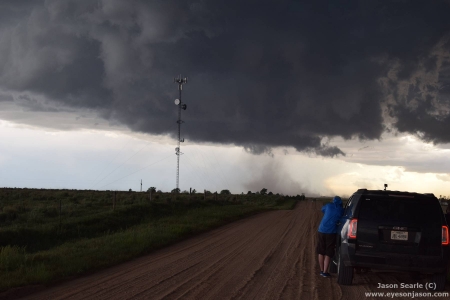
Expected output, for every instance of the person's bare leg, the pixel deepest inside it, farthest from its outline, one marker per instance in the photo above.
(326, 263)
(321, 259)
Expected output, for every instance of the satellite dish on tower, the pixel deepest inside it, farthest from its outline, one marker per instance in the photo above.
(177, 101)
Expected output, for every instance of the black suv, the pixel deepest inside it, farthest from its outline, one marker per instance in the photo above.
(391, 230)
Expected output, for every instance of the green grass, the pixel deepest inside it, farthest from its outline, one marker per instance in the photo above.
(38, 250)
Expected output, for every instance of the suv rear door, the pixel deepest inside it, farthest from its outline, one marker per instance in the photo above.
(399, 224)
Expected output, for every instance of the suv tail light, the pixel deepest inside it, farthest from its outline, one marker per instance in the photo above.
(445, 236)
(352, 229)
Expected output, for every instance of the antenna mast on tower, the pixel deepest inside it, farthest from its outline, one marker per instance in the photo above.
(183, 106)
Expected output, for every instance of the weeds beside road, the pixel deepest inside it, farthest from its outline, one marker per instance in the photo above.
(41, 244)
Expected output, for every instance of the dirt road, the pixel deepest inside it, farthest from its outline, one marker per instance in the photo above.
(268, 256)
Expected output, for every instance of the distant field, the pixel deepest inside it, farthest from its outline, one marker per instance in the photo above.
(48, 235)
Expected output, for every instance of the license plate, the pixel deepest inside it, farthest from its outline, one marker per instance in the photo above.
(399, 235)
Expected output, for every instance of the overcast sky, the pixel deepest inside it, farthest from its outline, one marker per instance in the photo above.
(320, 97)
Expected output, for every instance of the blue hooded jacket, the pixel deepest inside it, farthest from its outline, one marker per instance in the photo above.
(332, 214)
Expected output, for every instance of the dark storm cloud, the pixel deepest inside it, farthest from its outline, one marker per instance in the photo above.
(261, 73)
(6, 97)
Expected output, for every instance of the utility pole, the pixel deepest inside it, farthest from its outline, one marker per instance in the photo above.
(178, 102)
(141, 185)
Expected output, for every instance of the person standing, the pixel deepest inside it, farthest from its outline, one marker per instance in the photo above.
(326, 235)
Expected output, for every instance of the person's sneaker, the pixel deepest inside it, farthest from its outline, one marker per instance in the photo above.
(326, 275)
(321, 273)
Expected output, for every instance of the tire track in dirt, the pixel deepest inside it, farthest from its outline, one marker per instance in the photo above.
(139, 266)
(228, 270)
(214, 265)
(266, 256)
(165, 280)
(266, 268)
(217, 274)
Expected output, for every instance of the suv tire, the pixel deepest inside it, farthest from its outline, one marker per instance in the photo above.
(439, 279)
(344, 274)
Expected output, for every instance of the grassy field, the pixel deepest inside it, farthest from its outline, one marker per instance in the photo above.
(49, 235)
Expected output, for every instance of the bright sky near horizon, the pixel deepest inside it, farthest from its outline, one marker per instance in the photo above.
(294, 97)
(37, 157)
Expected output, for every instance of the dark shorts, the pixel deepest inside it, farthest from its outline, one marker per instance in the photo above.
(326, 243)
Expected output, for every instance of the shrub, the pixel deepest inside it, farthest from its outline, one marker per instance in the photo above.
(11, 212)
(50, 212)
(74, 199)
(12, 258)
(3, 217)
(128, 201)
(34, 215)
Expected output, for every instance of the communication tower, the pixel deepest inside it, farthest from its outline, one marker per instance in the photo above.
(181, 106)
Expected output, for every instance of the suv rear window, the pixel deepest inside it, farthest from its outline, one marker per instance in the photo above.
(375, 208)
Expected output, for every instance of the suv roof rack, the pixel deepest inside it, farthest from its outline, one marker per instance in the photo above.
(396, 193)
